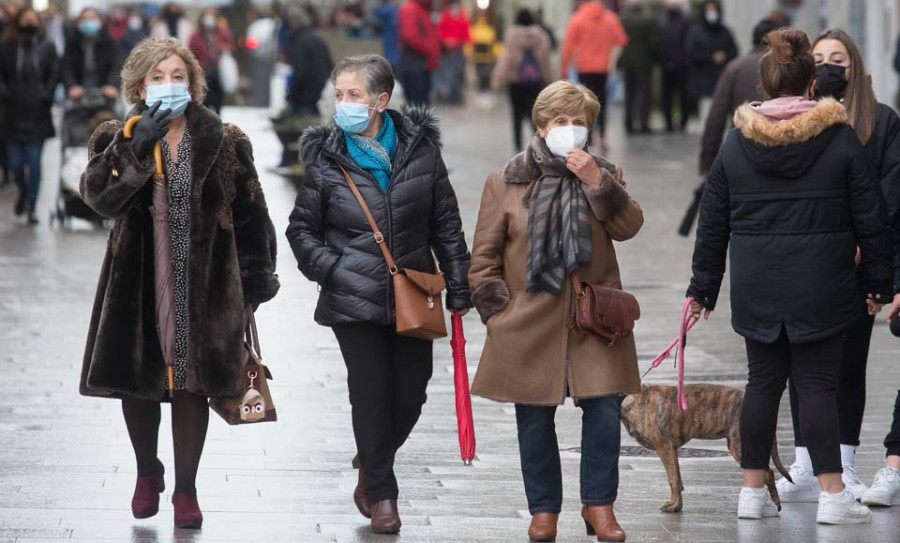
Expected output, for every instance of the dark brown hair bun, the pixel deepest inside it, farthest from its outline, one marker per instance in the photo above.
(786, 44)
(787, 68)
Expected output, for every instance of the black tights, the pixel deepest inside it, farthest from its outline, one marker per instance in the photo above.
(190, 418)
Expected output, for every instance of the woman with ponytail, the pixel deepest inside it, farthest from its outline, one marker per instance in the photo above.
(841, 74)
(793, 193)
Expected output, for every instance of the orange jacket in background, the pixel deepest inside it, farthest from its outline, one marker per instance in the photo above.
(592, 34)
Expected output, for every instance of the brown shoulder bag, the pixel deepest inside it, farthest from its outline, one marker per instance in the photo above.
(607, 312)
(417, 295)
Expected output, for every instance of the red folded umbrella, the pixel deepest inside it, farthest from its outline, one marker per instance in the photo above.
(465, 424)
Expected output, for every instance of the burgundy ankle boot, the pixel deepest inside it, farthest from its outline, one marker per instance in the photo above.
(145, 502)
(187, 511)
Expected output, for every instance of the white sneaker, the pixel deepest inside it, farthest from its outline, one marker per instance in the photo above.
(755, 503)
(885, 490)
(852, 482)
(841, 508)
(804, 489)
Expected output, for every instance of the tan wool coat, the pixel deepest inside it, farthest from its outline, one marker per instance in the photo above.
(531, 354)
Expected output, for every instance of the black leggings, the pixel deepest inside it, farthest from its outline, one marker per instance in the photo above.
(892, 441)
(851, 384)
(190, 419)
(387, 375)
(814, 368)
(596, 82)
(522, 98)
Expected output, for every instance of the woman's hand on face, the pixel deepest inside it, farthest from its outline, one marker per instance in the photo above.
(583, 165)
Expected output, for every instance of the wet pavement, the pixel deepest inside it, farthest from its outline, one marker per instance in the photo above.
(67, 470)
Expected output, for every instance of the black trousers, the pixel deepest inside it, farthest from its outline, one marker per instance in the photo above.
(851, 384)
(387, 375)
(892, 441)
(637, 100)
(675, 81)
(597, 83)
(814, 368)
(522, 97)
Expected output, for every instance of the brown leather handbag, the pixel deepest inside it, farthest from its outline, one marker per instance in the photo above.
(607, 312)
(417, 295)
(254, 402)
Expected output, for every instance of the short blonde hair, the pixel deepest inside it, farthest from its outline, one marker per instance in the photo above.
(567, 98)
(147, 55)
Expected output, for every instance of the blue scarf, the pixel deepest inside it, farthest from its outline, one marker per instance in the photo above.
(374, 155)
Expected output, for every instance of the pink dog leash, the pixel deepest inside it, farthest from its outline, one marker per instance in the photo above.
(687, 323)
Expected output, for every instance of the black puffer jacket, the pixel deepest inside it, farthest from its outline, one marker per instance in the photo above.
(703, 40)
(29, 71)
(795, 199)
(884, 149)
(419, 213)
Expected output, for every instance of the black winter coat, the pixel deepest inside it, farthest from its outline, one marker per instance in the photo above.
(311, 61)
(107, 56)
(703, 40)
(418, 214)
(884, 149)
(231, 263)
(29, 73)
(673, 29)
(794, 199)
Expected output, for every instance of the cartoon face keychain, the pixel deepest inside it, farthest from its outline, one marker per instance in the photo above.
(253, 405)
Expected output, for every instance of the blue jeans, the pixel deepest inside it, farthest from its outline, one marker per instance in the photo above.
(539, 452)
(25, 157)
(417, 87)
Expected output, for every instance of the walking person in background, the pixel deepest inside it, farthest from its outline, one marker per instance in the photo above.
(524, 65)
(484, 50)
(212, 39)
(311, 62)
(592, 36)
(637, 61)
(92, 61)
(220, 258)
(842, 75)
(394, 159)
(710, 47)
(674, 24)
(792, 192)
(172, 23)
(385, 14)
(420, 50)
(525, 253)
(740, 83)
(29, 73)
(135, 32)
(453, 28)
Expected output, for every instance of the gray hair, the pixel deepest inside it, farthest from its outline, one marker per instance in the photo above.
(375, 70)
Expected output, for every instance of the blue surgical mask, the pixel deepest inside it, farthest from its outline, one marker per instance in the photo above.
(351, 117)
(89, 27)
(174, 96)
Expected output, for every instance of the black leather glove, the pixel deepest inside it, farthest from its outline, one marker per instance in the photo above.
(150, 129)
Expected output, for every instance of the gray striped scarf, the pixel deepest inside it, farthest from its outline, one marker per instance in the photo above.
(559, 223)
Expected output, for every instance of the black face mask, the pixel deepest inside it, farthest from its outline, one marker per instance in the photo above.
(28, 31)
(831, 80)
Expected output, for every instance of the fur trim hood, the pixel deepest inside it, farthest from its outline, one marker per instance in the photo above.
(412, 122)
(758, 128)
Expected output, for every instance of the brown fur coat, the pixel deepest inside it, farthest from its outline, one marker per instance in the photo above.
(231, 262)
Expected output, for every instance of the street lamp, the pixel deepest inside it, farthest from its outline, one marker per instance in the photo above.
(484, 4)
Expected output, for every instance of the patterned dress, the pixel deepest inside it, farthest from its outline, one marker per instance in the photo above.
(179, 179)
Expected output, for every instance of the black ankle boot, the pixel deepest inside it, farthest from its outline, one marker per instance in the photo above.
(32, 214)
(20, 203)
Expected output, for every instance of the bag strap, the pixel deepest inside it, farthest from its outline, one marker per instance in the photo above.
(576, 284)
(251, 335)
(379, 237)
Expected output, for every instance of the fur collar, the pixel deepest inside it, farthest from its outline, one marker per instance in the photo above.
(207, 133)
(523, 168)
(412, 123)
(756, 127)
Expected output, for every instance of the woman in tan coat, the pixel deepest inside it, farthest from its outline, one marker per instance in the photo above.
(555, 195)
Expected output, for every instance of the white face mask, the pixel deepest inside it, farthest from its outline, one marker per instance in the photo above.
(562, 139)
(712, 17)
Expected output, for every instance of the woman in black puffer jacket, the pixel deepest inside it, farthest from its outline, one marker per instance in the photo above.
(395, 160)
(792, 191)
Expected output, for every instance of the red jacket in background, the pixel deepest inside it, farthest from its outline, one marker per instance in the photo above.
(418, 34)
(591, 36)
(208, 57)
(454, 30)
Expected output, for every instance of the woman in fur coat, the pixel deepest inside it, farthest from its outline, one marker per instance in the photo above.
(218, 258)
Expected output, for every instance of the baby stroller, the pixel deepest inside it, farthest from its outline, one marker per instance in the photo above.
(80, 118)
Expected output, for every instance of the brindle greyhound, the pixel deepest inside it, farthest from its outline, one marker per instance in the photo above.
(653, 418)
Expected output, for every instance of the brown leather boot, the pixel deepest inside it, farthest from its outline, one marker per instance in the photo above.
(601, 521)
(385, 518)
(543, 527)
(361, 495)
